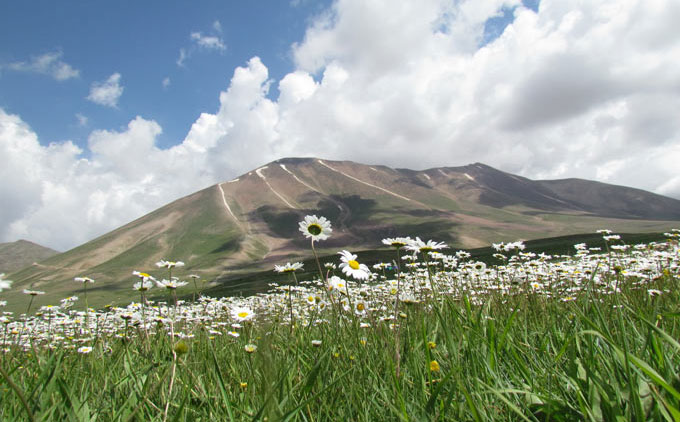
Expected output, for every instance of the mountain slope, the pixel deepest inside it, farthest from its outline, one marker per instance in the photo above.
(19, 254)
(250, 223)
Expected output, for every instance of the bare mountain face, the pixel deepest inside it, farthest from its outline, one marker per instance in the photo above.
(22, 253)
(251, 223)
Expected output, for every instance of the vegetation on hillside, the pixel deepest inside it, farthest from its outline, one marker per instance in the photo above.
(423, 335)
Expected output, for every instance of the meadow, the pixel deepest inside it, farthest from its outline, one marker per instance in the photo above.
(430, 334)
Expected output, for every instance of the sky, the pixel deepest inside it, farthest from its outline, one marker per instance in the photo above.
(109, 110)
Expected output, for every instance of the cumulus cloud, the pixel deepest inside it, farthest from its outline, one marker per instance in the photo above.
(573, 90)
(106, 93)
(46, 64)
(577, 89)
(59, 198)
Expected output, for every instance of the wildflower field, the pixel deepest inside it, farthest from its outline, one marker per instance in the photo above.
(430, 335)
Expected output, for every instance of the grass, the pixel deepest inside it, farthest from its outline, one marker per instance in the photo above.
(590, 337)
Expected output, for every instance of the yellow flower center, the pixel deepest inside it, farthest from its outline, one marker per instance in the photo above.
(314, 229)
(242, 314)
(360, 307)
(353, 265)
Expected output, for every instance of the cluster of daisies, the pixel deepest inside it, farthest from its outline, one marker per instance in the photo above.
(420, 273)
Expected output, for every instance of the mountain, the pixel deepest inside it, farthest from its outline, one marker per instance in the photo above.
(251, 222)
(17, 255)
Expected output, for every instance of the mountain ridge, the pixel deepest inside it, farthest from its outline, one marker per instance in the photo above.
(21, 253)
(250, 222)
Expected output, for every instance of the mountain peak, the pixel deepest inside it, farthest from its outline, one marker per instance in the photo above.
(251, 222)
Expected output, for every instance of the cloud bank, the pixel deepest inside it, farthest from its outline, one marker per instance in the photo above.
(579, 89)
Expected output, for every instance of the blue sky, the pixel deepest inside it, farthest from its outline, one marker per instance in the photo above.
(109, 110)
(142, 42)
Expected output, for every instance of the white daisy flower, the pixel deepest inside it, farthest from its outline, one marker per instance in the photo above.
(418, 245)
(318, 228)
(83, 280)
(33, 292)
(351, 267)
(242, 313)
(143, 285)
(4, 284)
(169, 264)
(397, 242)
(171, 284)
(288, 267)
(335, 283)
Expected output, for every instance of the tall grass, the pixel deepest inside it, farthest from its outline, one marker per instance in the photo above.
(604, 348)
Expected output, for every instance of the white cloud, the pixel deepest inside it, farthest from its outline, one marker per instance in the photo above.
(108, 92)
(203, 42)
(46, 64)
(82, 119)
(60, 199)
(183, 55)
(579, 89)
(166, 82)
(208, 42)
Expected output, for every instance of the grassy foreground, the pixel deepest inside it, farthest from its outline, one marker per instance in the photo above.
(534, 338)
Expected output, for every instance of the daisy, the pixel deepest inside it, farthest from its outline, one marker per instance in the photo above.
(654, 292)
(143, 276)
(4, 284)
(171, 284)
(85, 350)
(397, 242)
(318, 228)
(360, 307)
(418, 245)
(241, 313)
(288, 268)
(33, 292)
(143, 285)
(351, 267)
(169, 264)
(250, 348)
(336, 283)
(83, 280)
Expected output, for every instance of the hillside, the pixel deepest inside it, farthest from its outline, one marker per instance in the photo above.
(22, 253)
(250, 223)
